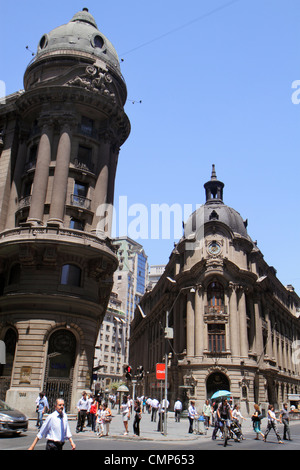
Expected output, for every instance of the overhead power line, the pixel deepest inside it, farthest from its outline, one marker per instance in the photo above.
(179, 28)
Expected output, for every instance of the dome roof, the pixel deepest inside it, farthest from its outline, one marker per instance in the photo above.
(80, 34)
(215, 210)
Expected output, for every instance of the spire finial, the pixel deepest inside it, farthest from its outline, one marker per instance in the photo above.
(214, 188)
(213, 173)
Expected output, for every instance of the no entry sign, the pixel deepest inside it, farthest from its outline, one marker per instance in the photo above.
(160, 371)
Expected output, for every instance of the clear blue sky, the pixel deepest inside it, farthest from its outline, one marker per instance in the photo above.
(215, 79)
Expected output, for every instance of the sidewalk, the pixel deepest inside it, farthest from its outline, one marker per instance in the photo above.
(148, 429)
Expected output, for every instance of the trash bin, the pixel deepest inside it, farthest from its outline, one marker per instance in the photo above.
(200, 425)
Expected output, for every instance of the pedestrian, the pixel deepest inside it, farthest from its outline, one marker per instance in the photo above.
(55, 429)
(154, 408)
(285, 419)
(83, 407)
(89, 418)
(41, 408)
(148, 404)
(99, 421)
(93, 413)
(237, 417)
(125, 410)
(137, 417)
(106, 417)
(256, 420)
(177, 410)
(207, 413)
(162, 409)
(192, 413)
(272, 424)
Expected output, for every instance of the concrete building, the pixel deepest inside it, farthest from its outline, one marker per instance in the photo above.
(155, 273)
(130, 278)
(111, 347)
(235, 326)
(59, 147)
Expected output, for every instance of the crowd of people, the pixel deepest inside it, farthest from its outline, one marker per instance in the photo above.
(94, 412)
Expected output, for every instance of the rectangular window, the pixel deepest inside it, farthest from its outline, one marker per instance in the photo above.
(87, 125)
(216, 337)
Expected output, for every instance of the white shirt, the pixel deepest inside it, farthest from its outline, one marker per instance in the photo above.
(178, 405)
(192, 412)
(83, 404)
(125, 408)
(55, 428)
(154, 403)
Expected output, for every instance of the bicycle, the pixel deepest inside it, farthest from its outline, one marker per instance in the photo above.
(225, 432)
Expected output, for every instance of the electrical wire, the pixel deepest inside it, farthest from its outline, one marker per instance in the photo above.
(179, 28)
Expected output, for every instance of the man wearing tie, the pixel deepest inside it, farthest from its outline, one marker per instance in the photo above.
(55, 429)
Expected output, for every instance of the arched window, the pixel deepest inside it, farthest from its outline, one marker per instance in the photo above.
(215, 295)
(70, 275)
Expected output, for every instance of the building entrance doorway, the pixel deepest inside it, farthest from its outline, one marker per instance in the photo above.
(216, 381)
(10, 341)
(60, 368)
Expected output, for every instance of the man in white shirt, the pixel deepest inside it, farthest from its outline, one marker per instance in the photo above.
(55, 429)
(154, 408)
(83, 407)
(178, 410)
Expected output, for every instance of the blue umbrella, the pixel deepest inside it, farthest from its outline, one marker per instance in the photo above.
(220, 394)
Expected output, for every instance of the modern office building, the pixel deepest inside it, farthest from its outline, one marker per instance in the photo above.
(59, 147)
(155, 273)
(130, 278)
(235, 326)
(111, 347)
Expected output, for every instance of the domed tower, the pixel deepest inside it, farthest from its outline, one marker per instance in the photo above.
(61, 140)
(219, 301)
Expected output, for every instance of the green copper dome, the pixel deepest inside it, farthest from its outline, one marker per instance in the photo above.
(81, 34)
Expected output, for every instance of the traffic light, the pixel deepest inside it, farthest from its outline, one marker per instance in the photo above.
(140, 373)
(128, 372)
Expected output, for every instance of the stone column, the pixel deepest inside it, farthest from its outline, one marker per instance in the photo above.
(199, 322)
(269, 338)
(258, 328)
(233, 322)
(16, 182)
(60, 184)
(101, 211)
(190, 326)
(243, 336)
(40, 181)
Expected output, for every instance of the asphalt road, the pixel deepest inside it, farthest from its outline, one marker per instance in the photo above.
(178, 444)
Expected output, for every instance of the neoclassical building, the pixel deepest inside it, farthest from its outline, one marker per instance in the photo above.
(59, 144)
(234, 323)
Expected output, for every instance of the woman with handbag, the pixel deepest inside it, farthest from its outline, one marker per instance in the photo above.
(256, 420)
(106, 417)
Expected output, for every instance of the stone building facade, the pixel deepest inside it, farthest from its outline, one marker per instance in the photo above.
(59, 147)
(235, 326)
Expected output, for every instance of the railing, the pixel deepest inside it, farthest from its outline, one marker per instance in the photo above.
(80, 201)
(219, 309)
(24, 202)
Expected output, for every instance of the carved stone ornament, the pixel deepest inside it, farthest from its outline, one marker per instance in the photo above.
(96, 80)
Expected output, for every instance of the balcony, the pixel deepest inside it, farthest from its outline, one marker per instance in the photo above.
(80, 201)
(217, 313)
(217, 309)
(24, 202)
